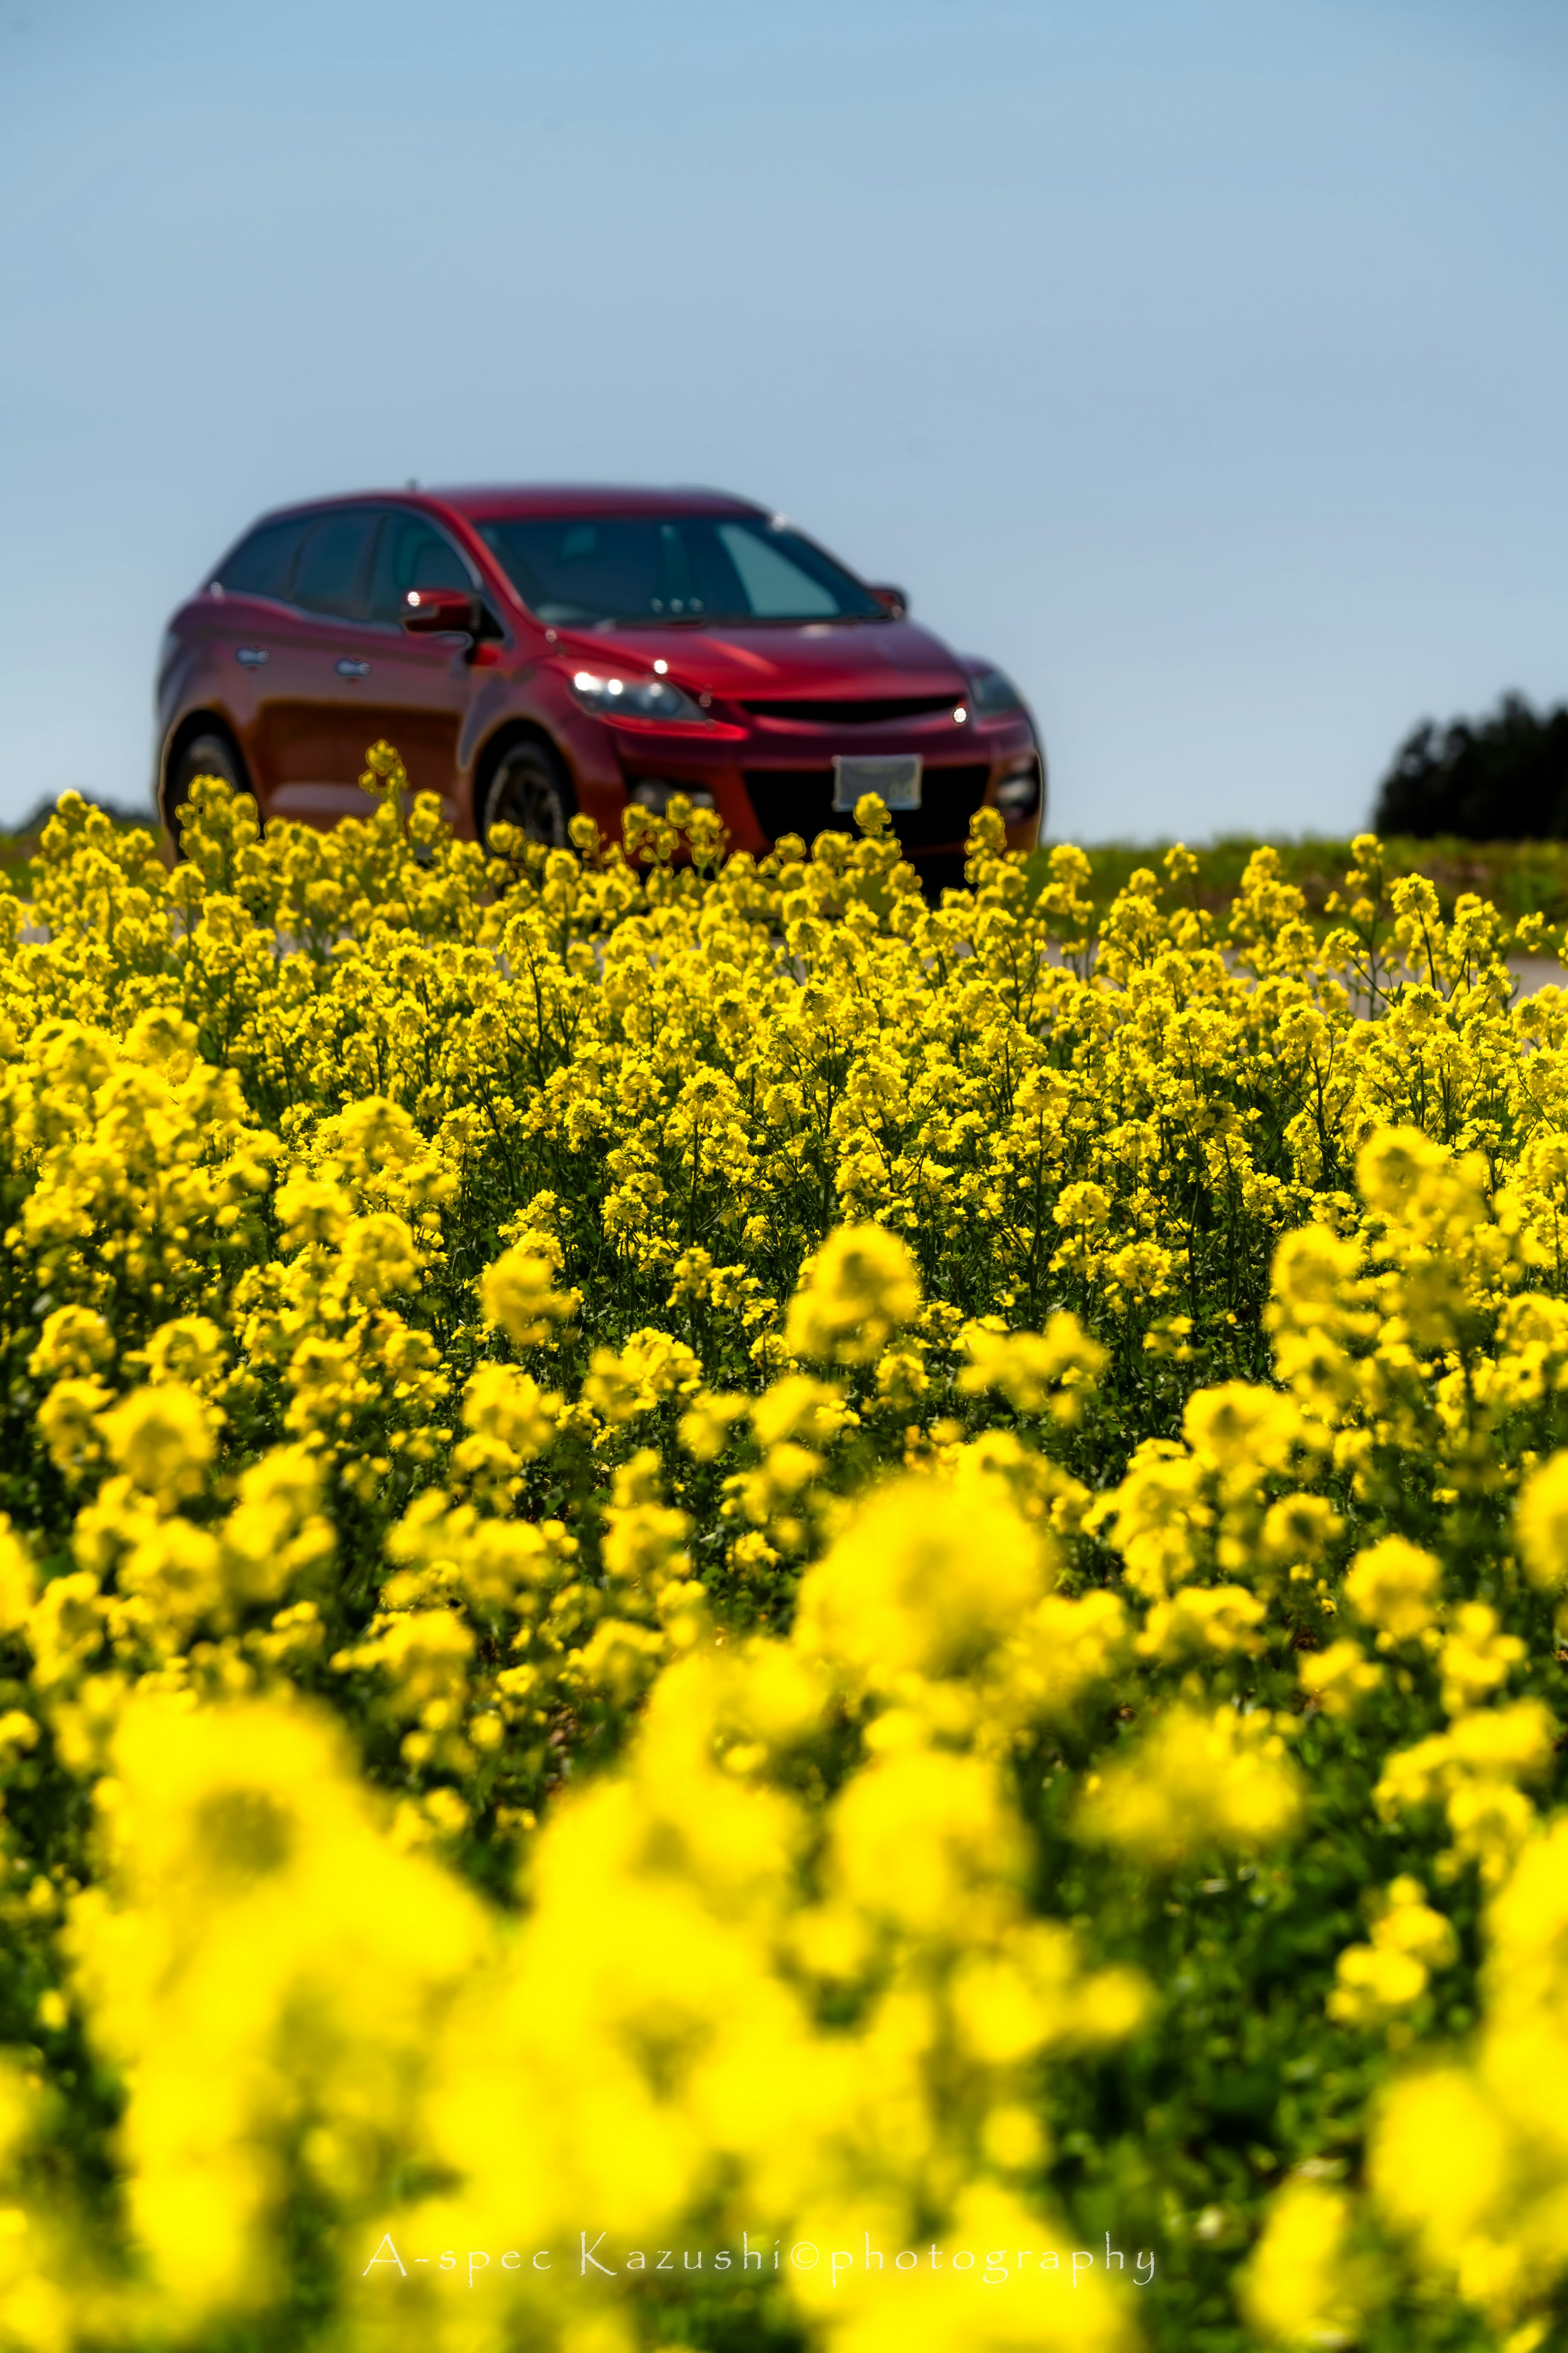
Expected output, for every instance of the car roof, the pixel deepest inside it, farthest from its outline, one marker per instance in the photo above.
(496, 502)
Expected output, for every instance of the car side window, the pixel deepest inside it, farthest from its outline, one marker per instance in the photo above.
(411, 554)
(330, 576)
(263, 565)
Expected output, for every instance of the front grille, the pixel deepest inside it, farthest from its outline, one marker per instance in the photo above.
(857, 714)
(800, 800)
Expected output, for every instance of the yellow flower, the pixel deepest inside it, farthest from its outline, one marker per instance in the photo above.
(1541, 1521)
(626, 1382)
(423, 1653)
(176, 1569)
(162, 1437)
(1298, 1530)
(1410, 1177)
(1407, 1924)
(858, 1289)
(1241, 1431)
(518, 1294)
(1213, 1620)
(923, 1577)
(65, 1626)
(919, 1835)
(312, 1209)
(1031, 1994)
(1439, 2158)
(70, 1424)
(1393, 1586)
(1084, 1207)
(1313, 1277)
(371, 1136)
(1299, 2288)
(509, 1406)
(1476, 1657)
(74, 1340)
(1408, 1941)
(773, 1718)
(275, 1531)
(384, 772)
(706, 1424)
(1373, 1982)
(1063, 1649)
(1034, 1371)
(800, 1408)
(248, 1889)
(901, 1378)
(192, 1350)
(378, 1257)
(1195, 1780)
(18, 1583)
(1160, 1519)
(1339, 1678)
(1144, 1270)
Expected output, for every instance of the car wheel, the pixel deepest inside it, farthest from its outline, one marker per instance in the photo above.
(203, 755)
(528, 787)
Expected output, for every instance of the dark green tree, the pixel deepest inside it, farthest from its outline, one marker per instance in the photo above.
(1501, 778)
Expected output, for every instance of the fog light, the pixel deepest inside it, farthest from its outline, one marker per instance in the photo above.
(1016, 794)
(655, 793)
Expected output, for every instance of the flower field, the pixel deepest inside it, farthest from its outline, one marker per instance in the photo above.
(741, 1614)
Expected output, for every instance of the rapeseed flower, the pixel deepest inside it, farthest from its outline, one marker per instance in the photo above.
(690, 1541)
(1197, 1780)
(860, 1288)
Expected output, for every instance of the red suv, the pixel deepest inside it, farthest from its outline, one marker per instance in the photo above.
(533, 652)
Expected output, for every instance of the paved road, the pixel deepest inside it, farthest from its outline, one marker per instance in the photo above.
(1538, 972)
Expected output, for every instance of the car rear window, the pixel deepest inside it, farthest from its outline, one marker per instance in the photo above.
(263, 565)
(585, 569)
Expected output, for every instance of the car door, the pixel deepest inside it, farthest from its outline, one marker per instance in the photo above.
(247, 629)
(311, 727)
(419, 689)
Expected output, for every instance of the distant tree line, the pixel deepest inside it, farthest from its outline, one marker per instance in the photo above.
(1503, 778)
(28, 827)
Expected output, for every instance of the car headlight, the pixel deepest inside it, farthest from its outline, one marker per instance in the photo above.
(993, 691)
(609, 696)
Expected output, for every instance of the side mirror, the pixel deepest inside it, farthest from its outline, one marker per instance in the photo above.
(427, 610)
(894, 602)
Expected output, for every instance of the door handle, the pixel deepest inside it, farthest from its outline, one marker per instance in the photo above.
(348, 668)
(253, 657)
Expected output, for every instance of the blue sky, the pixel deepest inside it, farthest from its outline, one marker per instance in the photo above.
(1203, 362)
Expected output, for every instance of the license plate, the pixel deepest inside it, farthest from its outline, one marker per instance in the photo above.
(894, 776)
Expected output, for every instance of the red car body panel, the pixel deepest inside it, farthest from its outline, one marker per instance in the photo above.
(301, 695)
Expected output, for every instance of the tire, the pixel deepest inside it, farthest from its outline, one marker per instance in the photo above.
(529, 788)
(207, 754)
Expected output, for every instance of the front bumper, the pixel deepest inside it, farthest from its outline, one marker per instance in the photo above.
(766, 781)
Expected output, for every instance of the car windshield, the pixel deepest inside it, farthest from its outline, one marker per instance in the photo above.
(582, 571)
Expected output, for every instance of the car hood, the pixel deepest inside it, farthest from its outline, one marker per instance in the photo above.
(859, 660)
